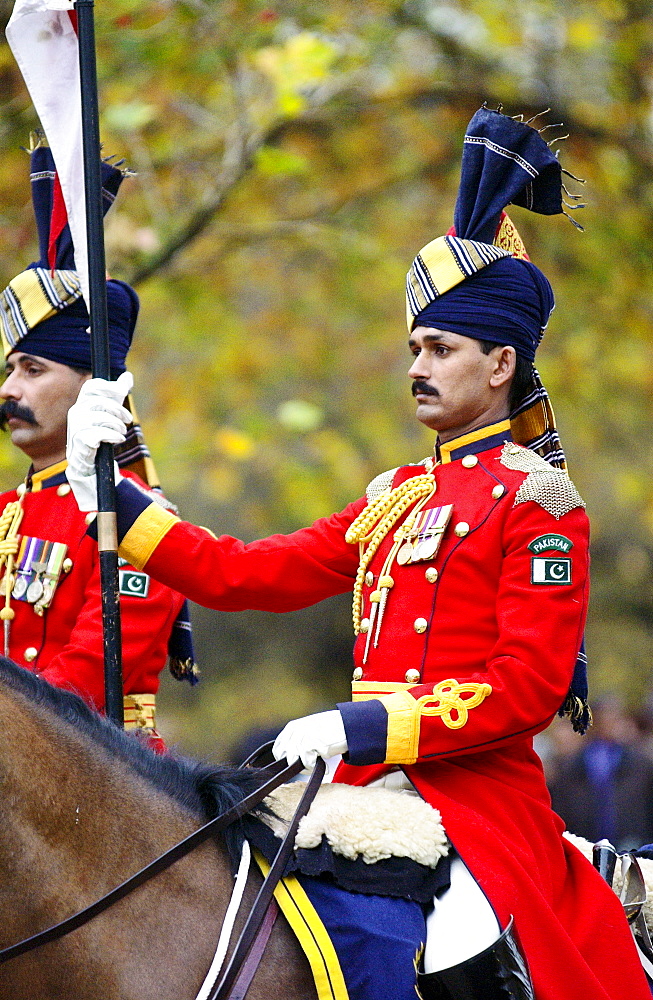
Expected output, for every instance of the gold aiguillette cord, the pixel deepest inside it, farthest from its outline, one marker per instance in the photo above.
(10, 520)
(369, 529)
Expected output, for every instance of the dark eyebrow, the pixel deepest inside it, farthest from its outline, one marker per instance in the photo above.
(430, 338)
(29, 357)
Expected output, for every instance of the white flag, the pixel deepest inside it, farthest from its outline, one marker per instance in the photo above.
(43, 39)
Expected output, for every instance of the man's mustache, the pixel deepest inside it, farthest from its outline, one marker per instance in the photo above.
(10, 408)
(423, 388)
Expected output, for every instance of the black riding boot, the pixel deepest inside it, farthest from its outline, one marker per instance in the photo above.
(498, 973)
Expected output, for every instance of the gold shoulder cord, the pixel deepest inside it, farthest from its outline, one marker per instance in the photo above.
(369, 529)
(10, 520)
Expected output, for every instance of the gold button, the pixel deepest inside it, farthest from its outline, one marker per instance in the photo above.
(67, 565)
(469, 461)
(431, 574)
(420, 625)
(369, 578)
(63, 490)
(365, 625)
(413, 676)
(31, 653)
(20, 489)
(357, 674)
(461, 529)
(498, 491)
(90, 517)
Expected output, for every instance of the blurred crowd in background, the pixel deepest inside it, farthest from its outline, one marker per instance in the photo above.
(602, 783)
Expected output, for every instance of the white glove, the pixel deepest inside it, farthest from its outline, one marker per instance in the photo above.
(98, 415)
(320, 735)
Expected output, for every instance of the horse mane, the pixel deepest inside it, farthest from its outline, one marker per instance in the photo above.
(205, 790)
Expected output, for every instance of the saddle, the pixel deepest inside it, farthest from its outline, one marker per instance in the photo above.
(370, 840)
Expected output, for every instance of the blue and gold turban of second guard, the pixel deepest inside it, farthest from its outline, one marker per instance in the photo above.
(478, 281)
(43, 313)
(42, 308)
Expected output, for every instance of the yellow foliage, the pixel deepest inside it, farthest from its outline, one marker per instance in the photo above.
(303, 62)
(234, 444)
(583, 33)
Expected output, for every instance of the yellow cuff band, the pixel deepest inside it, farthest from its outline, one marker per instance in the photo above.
(403, 727)
(145, 534)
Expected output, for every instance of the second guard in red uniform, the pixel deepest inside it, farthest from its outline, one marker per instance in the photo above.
(50, 595)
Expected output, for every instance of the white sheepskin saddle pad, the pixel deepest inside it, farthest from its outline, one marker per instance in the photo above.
(366, 823)
(372, 824)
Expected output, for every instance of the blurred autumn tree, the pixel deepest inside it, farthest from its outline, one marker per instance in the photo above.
(292, 157)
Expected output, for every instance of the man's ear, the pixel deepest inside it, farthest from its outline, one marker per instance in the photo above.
(505, 359)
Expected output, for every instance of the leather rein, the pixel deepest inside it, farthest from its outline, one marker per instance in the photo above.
(280, 775)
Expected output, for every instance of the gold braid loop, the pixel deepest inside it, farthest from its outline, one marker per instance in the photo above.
(373, 524)
(448, 703)
(7, 517)
(9, 547)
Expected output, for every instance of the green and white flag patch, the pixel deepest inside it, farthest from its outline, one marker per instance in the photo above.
(132, 583)
(551, 570)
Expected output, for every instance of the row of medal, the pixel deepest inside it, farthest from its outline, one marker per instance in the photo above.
(38, 567)
(424, 536)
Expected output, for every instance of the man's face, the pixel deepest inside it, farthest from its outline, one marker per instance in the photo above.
(456, 386)
(37, 395)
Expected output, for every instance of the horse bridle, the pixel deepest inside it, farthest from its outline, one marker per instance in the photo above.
(280, 775)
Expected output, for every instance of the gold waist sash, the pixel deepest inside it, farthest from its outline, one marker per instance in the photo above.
(365, 690)
(140, 711)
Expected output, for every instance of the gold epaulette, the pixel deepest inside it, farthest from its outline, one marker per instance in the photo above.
(551, 488)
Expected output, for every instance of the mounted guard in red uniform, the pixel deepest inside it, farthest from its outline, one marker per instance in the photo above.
(470, 579)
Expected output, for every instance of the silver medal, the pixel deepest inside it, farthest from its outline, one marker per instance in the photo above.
(34, 591)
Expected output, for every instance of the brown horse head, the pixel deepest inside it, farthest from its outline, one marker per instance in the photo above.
(83, 806)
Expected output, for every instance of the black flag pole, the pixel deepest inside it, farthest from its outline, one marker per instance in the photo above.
(106, 518)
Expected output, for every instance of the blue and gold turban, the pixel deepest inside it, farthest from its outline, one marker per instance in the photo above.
(478, 280)
(42, 309)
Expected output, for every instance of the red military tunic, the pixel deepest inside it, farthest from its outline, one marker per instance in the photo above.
(474, 656)
(64, 644)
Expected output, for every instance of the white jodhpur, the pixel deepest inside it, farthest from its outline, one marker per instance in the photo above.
(462, 923)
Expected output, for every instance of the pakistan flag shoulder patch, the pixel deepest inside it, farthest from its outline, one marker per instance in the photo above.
(551, 565)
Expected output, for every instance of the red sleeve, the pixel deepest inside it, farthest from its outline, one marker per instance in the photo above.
(279, 573)
(145, 623)
(528, 672)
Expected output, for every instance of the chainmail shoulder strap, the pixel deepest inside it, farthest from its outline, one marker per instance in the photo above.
(380, 484)
(550, 487)
(383, 483)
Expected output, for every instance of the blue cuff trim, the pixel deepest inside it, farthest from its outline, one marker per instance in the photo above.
(366, 728)
(130, 504)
